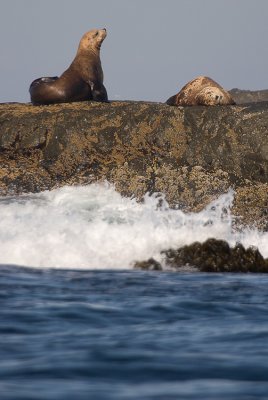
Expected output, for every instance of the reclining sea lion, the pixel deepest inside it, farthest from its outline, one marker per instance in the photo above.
(201, 91)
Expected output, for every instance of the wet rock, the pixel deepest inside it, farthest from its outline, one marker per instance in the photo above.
(211, 256)
(150, 265)
(217, 256)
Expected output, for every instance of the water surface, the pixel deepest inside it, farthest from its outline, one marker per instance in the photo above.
(69, 334)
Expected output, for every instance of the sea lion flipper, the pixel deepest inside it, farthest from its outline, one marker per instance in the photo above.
(172, 100)
(98, 91)
(44, 79)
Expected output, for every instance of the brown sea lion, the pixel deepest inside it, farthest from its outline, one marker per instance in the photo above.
(201, 91)
(83, 80)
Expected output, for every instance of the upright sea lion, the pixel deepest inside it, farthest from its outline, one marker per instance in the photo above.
(83, 80)
(201, 91)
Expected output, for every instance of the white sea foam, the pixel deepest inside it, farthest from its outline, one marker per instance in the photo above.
(93, 227)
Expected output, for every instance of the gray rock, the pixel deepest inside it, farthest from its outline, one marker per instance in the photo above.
(248, 96)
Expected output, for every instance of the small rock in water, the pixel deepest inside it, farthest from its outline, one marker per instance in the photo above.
(150, 265)
(211, 256)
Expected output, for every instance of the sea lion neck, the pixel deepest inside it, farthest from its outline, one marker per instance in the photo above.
(85, 62)
(82, 52)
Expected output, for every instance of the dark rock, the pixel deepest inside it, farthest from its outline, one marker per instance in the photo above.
(190, 154)
(212, 256)
(217, 256)
(150, 265)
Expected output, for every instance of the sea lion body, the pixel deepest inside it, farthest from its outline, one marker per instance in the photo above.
(83, 80)
(201, 91)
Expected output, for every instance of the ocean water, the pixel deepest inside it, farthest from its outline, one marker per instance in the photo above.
(77, 321)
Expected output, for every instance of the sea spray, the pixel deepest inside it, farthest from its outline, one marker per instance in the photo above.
(94, 227)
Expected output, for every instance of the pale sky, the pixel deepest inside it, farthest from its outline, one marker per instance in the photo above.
(153, 47)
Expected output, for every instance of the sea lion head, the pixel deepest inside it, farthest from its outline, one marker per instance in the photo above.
(92, 40)
(213, 95)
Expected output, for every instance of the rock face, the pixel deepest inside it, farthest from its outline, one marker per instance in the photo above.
(191, 154)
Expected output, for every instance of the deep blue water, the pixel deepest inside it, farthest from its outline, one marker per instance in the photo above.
(132, 335)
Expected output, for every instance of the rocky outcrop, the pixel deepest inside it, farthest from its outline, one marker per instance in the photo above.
(211, 256)
(191, 154)
(248, 96)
